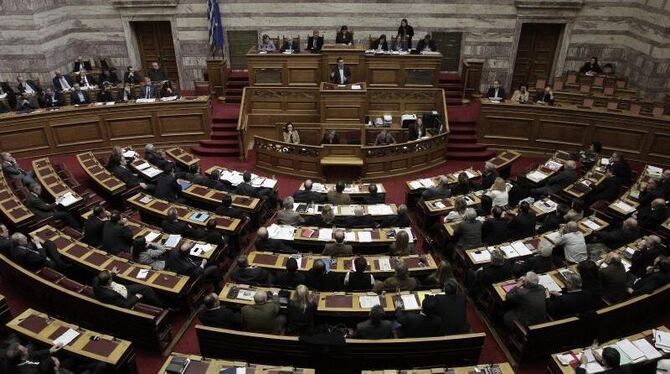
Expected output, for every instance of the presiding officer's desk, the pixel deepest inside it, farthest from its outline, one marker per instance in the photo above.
(504, 367)
(309, 69)
(99, 127)
(193, 364)
(539, 128)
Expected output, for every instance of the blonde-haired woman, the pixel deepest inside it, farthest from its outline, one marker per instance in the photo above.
(300, 311)
(499, 193)
(401, 246)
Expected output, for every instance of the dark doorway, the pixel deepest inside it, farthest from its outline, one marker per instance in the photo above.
(154, 40)
(535, 54)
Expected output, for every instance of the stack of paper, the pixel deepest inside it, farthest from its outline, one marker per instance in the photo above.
(143, 166)
(318, 187)
(471, 174)
(201, 249)
(481, 256)
(142, 274)
(415, 185)
(409, 302)
(626, 208)
(349, 236)
(546, 205)
(630, 350)
(591, 225)
(647, 349)
(152, 172)
(325, 234)
(67, 199)
(151, 236)
(521, 249)
(364, 236)
(509, 251)
(662, 340)
(380, 210)
(269, 183)
(172, 241)
(246, 294)
(553, 236)
(356, 87)
(146, 199)
(169, 98)
(129, 153)
(368, 301)
(549, 283)
(281, 232)
(604, 161)
(385, 264)
(553, 165)
(66, 337)
(439, 204)
(347, 210)
(536, 176)
(654, 171)
(567, 358)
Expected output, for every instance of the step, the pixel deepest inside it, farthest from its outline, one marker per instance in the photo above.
(233, 143)
(237, 83)
(462, 123)
(463, 147)
(234, 92)
(216, 126)
(453, 101)
(234, 99)
(451, 86)
(453, 94)
(461, 130)
(237, 74)
(449, 76)
(471, 156)
(202, 151)
(225, 135)
(462, 138)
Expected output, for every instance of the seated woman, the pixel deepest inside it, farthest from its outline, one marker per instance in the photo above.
(380, 44)
(344, 36)
(398, 44)
(463, 186)
(521, 95)
(401, 246)
(325, 219)
(591, 67)
(267, 44)
(499, 193)
(290, 134)
(167, 90)
(300, 311)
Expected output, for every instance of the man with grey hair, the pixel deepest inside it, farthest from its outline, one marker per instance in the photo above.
(572, 301)
(573, 242)
(489, 175)
(263, 316)
(469, 231)
(541, 262)
(526, 302)
(157, 157)
(14, 171)
(557, 182)
(339, 248)
(360, 219)
(401, 219)
(288, 216)
(497, 270)
(441, 191)
(265, 243)
(306, 195)
(651, 217)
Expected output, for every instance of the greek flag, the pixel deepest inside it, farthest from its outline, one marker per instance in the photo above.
(215, 26)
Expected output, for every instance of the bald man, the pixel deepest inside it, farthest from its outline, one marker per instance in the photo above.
(361, 220)
(440, 192)
(574, 245)
(651, 217)
(14, 171)
(648, 249)
(263, 316)
(338, 248)
(306, 195)
(557, 182)
(265, 243)
(619, 236)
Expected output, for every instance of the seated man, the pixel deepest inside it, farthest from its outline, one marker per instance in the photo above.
(573, 243)
(613, 277)
(86, 81)
(385, 138)
(61, 82)
(620, 167)
(442, 190)
(213, 180)
(116, 235)
(181, 262)
(489, 175)
(79, 97)
(498, 270)
(147, 90)
(451, 307)
(495, 92)
(19, 359)
(541, 262)
(468, 233)
(105, 94)
(571, 301)
(526, 302)
(156, 74)
(290, 278)
(245, 188)
(557, 182)
(545, 96)
(124, 296)
(14, 171)
(5, 240)
(119, 167)
(227, 209)
(319, 279)
(42, 209)
(338, 248)
(290, 44)
(167, 187)
(418, 325)
(655, 278)
(400, 281)
(156, 157)
(215, 315)
(376, 327)
(287, 215)
(648, 249)
(651, 217)
(265, 243)
(523, 224)
(315, 42)
(357, 279)
(495, 229)
(24, 104)
(360, 219)
(246, 274)
(614, 237)
(401, 219)
(263, 316)
(35, 255)
(131, 76)
(306, 195)
(172, 225)
(552, 221)
(338, 197)
(52, 99)
(213, 235)
(426, 44)
(373, 196)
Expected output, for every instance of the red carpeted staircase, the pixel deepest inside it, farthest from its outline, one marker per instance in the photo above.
(453, 88)
(223, 140)
(463, 143)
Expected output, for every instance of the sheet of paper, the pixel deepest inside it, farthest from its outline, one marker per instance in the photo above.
(269, 183)
(152, 172)
(142, 273)
(385, 264)
(427, 182)
(246, 294)
(509, 251)
(146, 199)
(68, 199)
(645, 347)
(565, 359)
(200, 216)
(415, 185)
(553, 165)
(624, 207)
(439, 205)
(66, 338)
(630, 350)
(549, 283)
(349, 236)
(318, 187)
(356, 87)
(142, 166)
(536, 176)
(364, 236)
(129, 153)
(409, 302)
(347, 210)
(521, 248)
(590, 224)
(172, 241)
(281, 232)
(150, 237)
(553, 236)
(662, 339)
(368, 301)
(604, 161)
(325, 234)
(482, 256)
(200, 249)
(380, 210)
(471, 174)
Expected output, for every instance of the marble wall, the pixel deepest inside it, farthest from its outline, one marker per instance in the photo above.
(41, 36)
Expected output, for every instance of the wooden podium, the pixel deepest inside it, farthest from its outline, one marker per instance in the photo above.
(344, 104)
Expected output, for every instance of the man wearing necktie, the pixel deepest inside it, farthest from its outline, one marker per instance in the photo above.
(61, 83)
(148, 92)
(52, 99)
(496, 93)
(78, 97)
(341, 73)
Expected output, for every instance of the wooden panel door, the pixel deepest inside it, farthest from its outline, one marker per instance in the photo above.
(155, 43)
(449, 44)
(240, 42)
(535, 54)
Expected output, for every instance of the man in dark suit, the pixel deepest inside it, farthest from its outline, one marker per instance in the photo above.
(376, 327)
(213, 235)
(86, 80)
(545, 96)
(553, 220)
(265, 243)
(116, 235)
(341, 74)
(645, 255)
(156, 157)
(172, 225)
(373, 196)
(495, 229)
(122, 172)
(213, 180)
(81, 64)
(227, 209)
(34, 255)
(608, 190)
(523, 224)
(215, 315)
(496, 92)
(330, 137)
(426, 44)
(5, 240)
(245, 188)
(180, 262)
(451, 307)
(526, 302)
(79, 97)
(538, 263)
(105, 94)
(616, 237)
(442, 190)
(21, 360)
(27, 87)
(613, 278)
(651, 217)
(52, 99)
(290, 44)
(147, 90)
(306, 195)
(156, 73)
(571, 301)
(620, 167)
(418, 325)
(5, 89)
(24, 104)
(360, 219)
(131, 76)
(123, 295)
(399, 220)
(291, 278)
(14, 171)
(61, 82)
(321, 280)
(315, 42)
(246, 274)
(94, 226)
(558, 181)
(657, 276)
(338, 248)
(499, 269)
(167, 187)
(489, 175)
(42, 209)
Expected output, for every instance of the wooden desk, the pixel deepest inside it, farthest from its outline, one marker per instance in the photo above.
(51, 181)
(556, 367)
(587, 183)
(12, 208)
(440, 207)
(416, 187)
(89, 345)
(201, 365)
(357, 191)
(91, 128)
(183, 158)
(344, 211)
(212, 198)
(100, 176)
(548, 169)
(628, 202)
(540, 128)
(343, 104)
(95, 261)
(308, 237)
(234, 178)
(416, 264)
(505, 368)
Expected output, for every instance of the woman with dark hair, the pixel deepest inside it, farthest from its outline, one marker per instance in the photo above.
(358, 279)
(463, 186)
(267, 45)
(291, 135)
(381, 44)
(151, 254)
(591, 67)
(167, 91)
(344, 36)
(406, 32)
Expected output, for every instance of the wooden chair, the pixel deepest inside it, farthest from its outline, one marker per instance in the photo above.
(621, 83)
(540, 84)
(613, 106)
(658, 111)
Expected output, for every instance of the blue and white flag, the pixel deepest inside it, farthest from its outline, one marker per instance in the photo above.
(215, 26)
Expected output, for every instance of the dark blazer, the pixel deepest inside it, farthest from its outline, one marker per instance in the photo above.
(57, 84)
(299, 319)
(104, 96)
(273, 245)
(385, 45)
(89, 78)
(461, 189)
(157, 75)
(303, 196)
(452, 310)
(406, 31)
(545, 97)
(38, 362)
(54, 101)
(652, 218)
(536, 263)
(246, 189)
(359, 282)
(561, 180)
(399, 220)
(314, 47)
(552, 221)
(492, 93)
(109, 296)
(155, 159)
(642, 259)
(495, 230)
(12, 169)
(135, 78)
(39, 206)
(469, 234)
(421, 45)
(130, 96)
(527, 304)
(493, 273)
(220, 317)
(617, 237)
(11, 95)
(78, 65)
(523, 225)
(93, 229)
(569, 304)
(335, 75)
(75, 100)
(183, 264)
(327, 140)
(488, 179)
(22, 89)
(24, 106)
(347, 38)
(366, 330)
(116, 238)
(650, 282)
(286, 279)
(290, 45)
(126, 176)
(436, 193)
(142, 92)
(167, 187)
(621, 169)
(230, 211)
(251, 276)
(29, 256)
(613, 279)
(608, 190)
(323, 281)
(416, 325)
(177, 228)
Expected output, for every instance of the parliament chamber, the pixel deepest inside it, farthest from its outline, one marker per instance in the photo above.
(226, 187)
